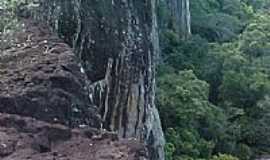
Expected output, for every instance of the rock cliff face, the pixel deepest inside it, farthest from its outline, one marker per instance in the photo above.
(40, 77)
(116, 42)
(180, 12)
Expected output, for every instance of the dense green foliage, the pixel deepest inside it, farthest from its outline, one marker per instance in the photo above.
(214, 87)
(9, 22)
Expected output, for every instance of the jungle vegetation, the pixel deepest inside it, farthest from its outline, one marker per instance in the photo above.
(214, 86)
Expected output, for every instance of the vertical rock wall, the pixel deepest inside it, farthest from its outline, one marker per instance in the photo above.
(116, 42)
(180, 12)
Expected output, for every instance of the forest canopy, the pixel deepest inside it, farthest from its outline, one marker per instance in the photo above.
(214, 86)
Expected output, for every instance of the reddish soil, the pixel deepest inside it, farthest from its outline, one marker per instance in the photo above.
(28, 139)
(40, 77)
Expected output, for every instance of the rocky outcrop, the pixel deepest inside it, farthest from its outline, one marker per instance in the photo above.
(40, 77)
(116, 42)
(180, 13)
(28, 139)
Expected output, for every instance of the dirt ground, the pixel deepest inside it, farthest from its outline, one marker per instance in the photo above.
(29, 139)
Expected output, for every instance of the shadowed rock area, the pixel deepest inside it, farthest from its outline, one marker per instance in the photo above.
(39, 77)
(29, 139)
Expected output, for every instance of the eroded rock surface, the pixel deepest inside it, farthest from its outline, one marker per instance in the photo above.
(117, 43)
(40, 77)
(28, 139)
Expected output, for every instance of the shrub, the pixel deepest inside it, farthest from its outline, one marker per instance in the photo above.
(224, 157)
(9, 23)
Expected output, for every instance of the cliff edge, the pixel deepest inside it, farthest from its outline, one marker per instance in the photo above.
(40, 78)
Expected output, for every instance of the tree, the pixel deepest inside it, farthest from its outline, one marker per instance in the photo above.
(192, 124)
(255, 40)
(219, 20)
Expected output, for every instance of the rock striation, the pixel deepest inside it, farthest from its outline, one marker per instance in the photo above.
(116, 43)
(179, 11)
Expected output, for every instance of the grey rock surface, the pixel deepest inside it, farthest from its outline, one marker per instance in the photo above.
(116, 43)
